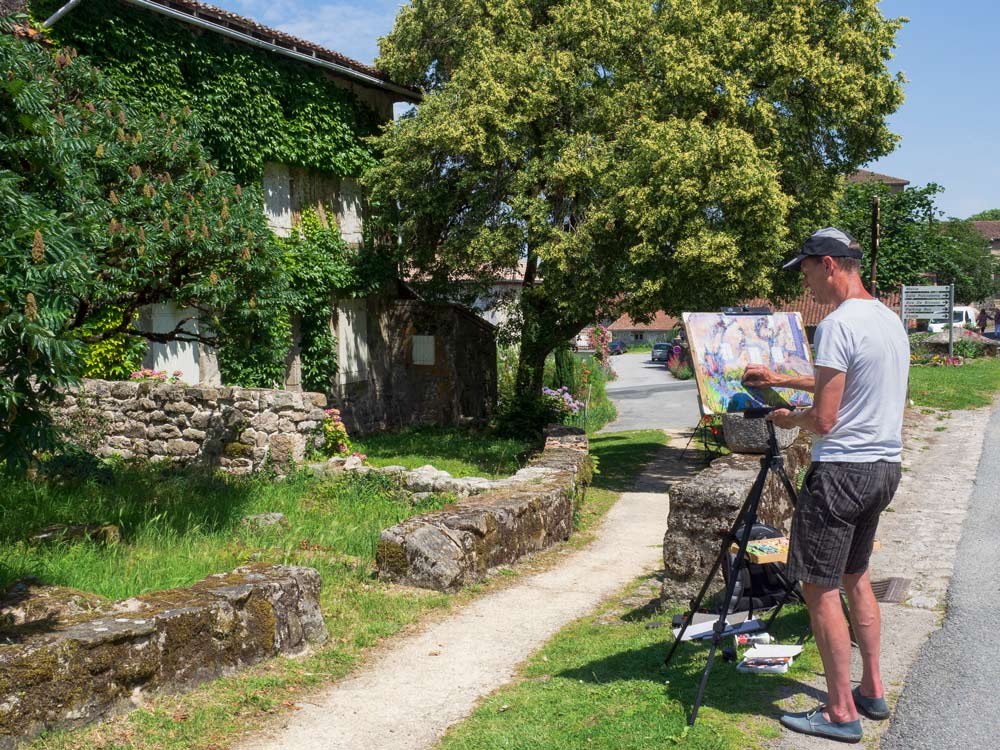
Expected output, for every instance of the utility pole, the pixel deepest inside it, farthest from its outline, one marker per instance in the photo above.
(873, 288)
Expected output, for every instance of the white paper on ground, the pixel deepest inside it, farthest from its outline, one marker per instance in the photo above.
(771, 651)
(704, 629)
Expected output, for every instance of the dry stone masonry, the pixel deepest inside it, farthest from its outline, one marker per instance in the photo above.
(703, 508)
(67, 658)
(236, 429)
(508, 519)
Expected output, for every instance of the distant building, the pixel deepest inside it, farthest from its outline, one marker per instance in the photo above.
(658, 329)
(896, 184)
(991, 231)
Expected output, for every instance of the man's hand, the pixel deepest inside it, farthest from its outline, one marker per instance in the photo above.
(760, 376)
(782, 418)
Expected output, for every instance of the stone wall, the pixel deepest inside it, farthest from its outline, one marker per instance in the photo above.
(459, 545)
(704, 507)
(67, 659)
(235, 429)
(451, 381)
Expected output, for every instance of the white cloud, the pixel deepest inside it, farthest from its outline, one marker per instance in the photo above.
(350, 29)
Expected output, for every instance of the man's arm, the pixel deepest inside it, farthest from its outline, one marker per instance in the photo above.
(761, 376)
(821, 417)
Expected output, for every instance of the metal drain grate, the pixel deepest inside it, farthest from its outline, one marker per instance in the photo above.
(891, 590)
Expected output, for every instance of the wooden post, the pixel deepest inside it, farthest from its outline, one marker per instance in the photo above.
(873, 284)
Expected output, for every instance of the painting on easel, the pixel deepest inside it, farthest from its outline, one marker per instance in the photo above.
(723, 345)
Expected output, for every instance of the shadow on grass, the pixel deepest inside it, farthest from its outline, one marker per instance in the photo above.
(130, 496)
(641, 461)
(728, 691)
(494, 455)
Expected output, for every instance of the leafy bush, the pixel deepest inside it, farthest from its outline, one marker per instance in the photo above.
(679, 365)
(103, 210)
(968, 349)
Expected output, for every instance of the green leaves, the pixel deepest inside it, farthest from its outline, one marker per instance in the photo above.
(915, 241)
(642, 156)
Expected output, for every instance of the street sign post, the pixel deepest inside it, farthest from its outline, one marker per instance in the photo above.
(930, 303)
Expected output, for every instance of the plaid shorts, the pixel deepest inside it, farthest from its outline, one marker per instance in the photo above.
(834, 522)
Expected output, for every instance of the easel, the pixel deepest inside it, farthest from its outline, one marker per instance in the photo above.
(744, 522)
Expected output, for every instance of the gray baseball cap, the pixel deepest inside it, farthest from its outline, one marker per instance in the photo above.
(827, 241)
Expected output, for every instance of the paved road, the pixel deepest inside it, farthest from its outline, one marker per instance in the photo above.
(648, 397)
(950, 698)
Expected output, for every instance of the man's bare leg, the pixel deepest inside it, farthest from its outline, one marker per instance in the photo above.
(829, 628)
(867, 621)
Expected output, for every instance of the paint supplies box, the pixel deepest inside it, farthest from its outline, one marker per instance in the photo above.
(768, 658)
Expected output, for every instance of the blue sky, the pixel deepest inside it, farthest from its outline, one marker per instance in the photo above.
(948, 52)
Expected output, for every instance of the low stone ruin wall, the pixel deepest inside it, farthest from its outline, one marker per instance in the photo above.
(704, 507)
(458, 545)
(67, 658)
(235, 429)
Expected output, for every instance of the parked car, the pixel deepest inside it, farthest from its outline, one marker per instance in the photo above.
(661, 352)
(964, 315)
(617, 346)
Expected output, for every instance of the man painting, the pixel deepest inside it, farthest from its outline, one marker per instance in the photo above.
(862, 364)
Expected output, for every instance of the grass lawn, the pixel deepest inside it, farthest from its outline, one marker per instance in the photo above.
(620, 456)
(605, 687)
(462, 453)
(972, 385)
(178, 527)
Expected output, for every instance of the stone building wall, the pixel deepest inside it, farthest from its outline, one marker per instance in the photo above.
(424, 364)
(235, 429)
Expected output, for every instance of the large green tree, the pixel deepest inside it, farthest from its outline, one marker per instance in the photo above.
(103, 210)
(639, 155)
(915, 243)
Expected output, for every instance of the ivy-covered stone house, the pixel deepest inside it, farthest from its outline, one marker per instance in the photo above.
(292, 117)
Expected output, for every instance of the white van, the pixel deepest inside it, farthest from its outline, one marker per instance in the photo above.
(963, 316)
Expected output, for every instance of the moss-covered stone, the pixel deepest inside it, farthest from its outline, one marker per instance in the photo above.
(63, 671)
(460, 544)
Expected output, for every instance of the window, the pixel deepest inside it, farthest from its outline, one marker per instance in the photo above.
(423, 350)
(352, 340)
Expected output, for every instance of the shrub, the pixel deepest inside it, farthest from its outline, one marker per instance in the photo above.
(968, 349)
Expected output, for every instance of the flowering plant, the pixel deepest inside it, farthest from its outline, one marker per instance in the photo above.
(935, 360)
(562, 402)
(335, 440)
(158, 376)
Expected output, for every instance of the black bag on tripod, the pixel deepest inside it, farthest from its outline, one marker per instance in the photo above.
(766, 583)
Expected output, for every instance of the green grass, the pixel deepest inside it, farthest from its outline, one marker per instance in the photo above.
(178, 526)
(621, 455)
(460, 452)
(605, 687)
(970, 386)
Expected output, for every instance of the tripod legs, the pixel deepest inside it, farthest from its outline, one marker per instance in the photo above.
(744, 522)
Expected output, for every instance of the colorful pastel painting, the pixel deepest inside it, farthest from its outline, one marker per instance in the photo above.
(723, 345)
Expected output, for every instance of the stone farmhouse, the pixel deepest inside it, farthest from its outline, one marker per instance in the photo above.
(401, 360)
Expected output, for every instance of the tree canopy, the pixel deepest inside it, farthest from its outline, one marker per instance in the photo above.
(640, 155)
(103, 210)
(915, 244)
(990, 214)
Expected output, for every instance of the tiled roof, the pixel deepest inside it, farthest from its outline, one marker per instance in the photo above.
(989, 229)
(251, 28)
(863, 175)
(812, 312)
(661, 322)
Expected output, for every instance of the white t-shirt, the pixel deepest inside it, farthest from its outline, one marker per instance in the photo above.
(866, 340)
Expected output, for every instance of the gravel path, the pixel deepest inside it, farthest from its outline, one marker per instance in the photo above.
(950, 698)
(422, 684)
